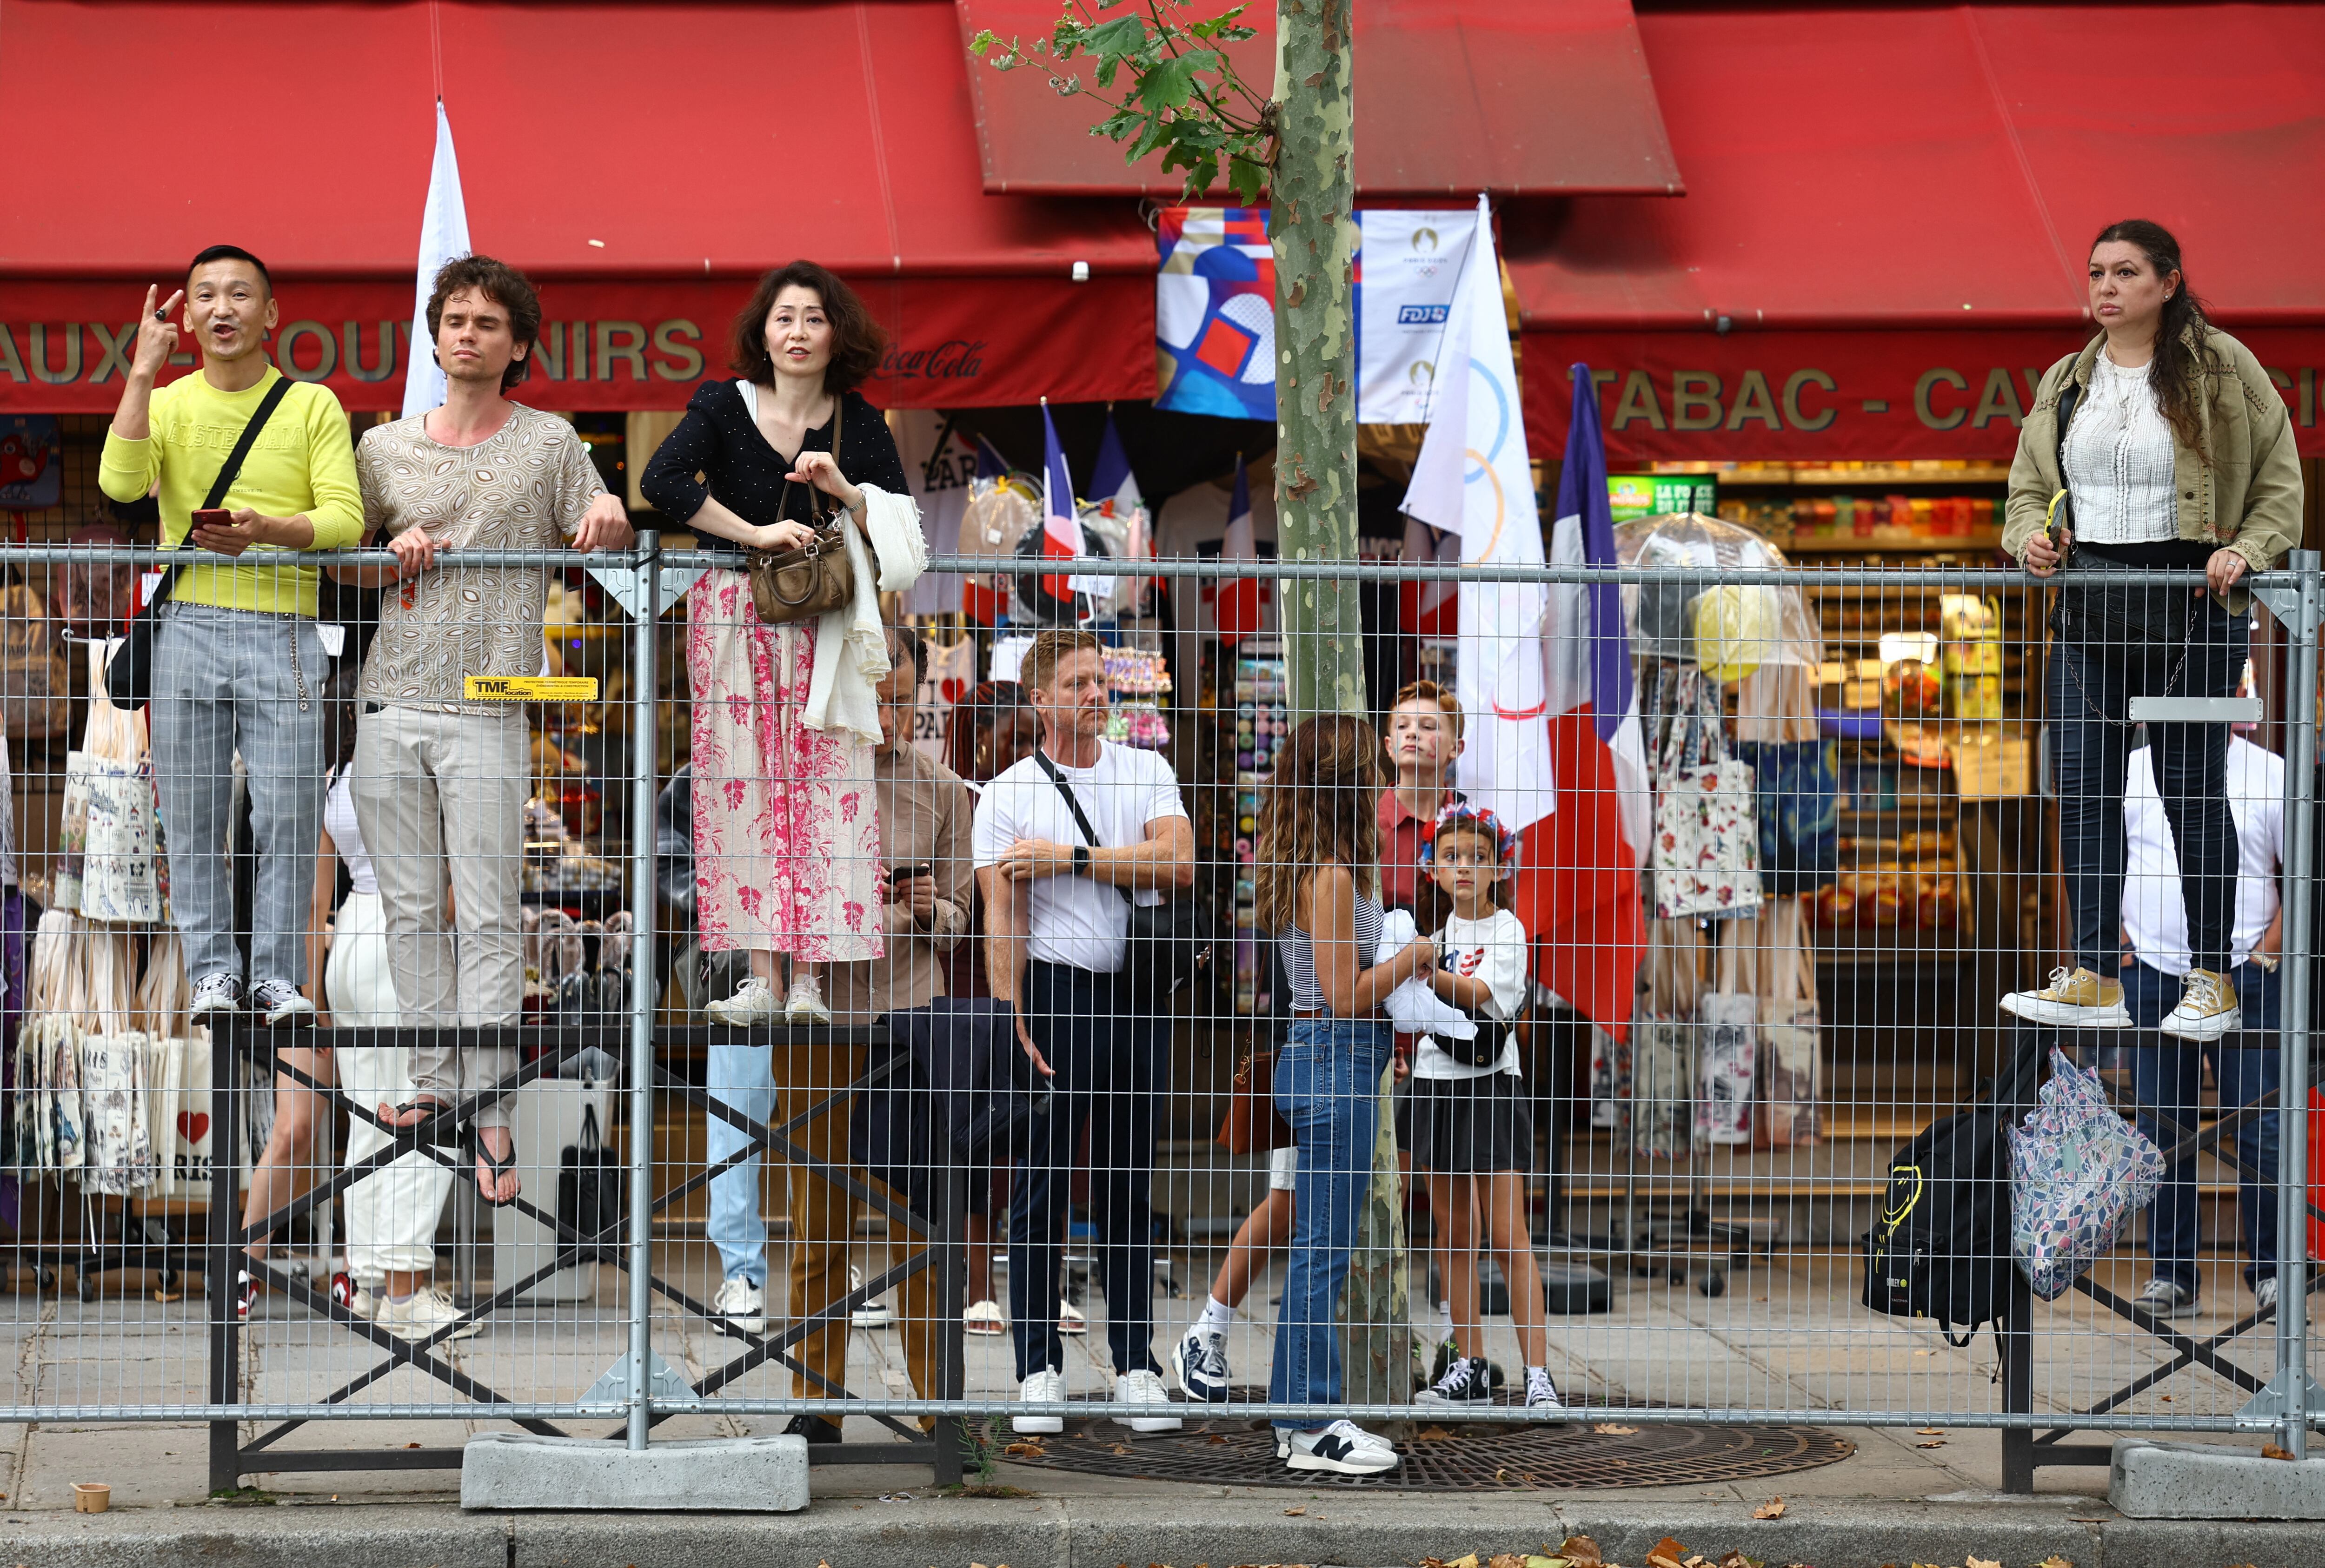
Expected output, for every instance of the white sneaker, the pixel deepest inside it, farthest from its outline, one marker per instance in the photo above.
(1140, 1400)
(1043, 1387)
(985, 1318)
(2264, 1296)
(873, 1313)
(421, 1313)
(2207, 1011)
(280, 1002)
(741, 1305)
(805, 1005)
(1343, 1447)
(2164, 1298)
(215, 994)
(754, 1004)
(1071, 1319)
(1541, 1396)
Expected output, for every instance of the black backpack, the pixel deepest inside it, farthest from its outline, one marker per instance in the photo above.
(1941, 1246)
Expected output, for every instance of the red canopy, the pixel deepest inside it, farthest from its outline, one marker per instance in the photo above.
(642, 162)
(1934, 174)
(1452, 97)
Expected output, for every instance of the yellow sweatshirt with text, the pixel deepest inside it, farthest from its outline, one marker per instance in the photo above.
(303, 463)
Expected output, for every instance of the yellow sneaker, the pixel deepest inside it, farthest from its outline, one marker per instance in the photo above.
(2207, 1007)
(2075, 999)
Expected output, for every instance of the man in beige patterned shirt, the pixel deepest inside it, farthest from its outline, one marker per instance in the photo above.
(439, 783)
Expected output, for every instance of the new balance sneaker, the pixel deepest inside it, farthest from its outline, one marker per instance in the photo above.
(2075, 999)
(280, 1002)
(741, 1305)
(423, 1314)
(804, 1005)
(2207, 1011)
(985, 1317)
(754, 1004)
(1465, 1382)
(1042, 1388)
(1142, 1402)
(1344, 1448)
(2264, 1296)
(215, 994)
(2165, 1298)
(1200, 1360)
(1541, 1396)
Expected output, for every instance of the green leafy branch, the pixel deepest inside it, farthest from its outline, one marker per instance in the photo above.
(1179, 92)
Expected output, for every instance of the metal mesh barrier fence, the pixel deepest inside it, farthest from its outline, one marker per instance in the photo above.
(1839, 996)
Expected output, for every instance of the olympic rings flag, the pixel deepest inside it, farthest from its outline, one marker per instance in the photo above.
(1472, 478)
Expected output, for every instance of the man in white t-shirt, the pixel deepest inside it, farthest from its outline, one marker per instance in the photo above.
(2165, 1076)
(1057, 914)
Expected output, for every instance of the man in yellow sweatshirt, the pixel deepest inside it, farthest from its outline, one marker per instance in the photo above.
(238, 660)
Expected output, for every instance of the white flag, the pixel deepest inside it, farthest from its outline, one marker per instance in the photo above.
(1472, 478)
(443, 235)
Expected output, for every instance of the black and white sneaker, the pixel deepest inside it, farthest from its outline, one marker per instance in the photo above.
(1466, 1382)
(280, 1002)
(1344, 1448)
(1200, 1360)
(1542, 1402)
(219, 992)
(2165, 1298)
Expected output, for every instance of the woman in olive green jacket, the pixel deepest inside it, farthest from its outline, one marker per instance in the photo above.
(2178, 453)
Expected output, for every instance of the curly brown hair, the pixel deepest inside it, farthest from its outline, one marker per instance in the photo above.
(857, 340)
(1322, 808)
(506, 287)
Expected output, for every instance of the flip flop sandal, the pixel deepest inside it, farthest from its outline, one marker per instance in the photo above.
(493, 1162)
(426, 1103)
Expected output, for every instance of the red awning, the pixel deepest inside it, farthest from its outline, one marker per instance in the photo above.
(1874, 196)
(641, 161)
(1452, 96)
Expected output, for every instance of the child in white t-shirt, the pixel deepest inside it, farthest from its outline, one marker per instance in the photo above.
(1472, 1124)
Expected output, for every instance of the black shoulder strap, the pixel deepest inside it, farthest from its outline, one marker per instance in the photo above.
(247, 440)
(1067, 791)
(2068, 395)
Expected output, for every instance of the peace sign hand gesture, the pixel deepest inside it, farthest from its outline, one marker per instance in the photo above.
(157, 335)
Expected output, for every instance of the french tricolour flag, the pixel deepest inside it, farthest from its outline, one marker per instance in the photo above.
(1238, 609)
(1062, 523)
(1579, 896)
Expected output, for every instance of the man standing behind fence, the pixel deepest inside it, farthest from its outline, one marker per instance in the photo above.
(439, 783)
(1061, 897)
(238, 663)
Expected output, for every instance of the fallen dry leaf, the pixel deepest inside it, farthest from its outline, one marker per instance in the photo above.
(1931, 1431)
(1434, 1435)
(1925, 1352)
(1581, 1551)
(2271, 1451)
(1465, 1559)
(1536, 1560)
(1667, 1554)
(1124, 1448)
(1505, 1560)
(1933, 1442)
(1735, 1559)
(1773, 1508)
(2167, 1398)
(2054, 1561)
(1614, 1430)
(1215, 1438)
(1500, 1474)
(1293, 1513)
(1030, 1449)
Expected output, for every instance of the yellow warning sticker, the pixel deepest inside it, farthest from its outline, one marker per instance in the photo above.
(530, 688)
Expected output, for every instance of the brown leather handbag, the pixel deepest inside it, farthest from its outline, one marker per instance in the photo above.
(1252, 1125)
(815, 578)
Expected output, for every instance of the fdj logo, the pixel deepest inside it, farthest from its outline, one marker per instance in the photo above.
(1421, 315)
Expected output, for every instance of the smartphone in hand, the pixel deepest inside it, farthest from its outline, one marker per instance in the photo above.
(213, 517)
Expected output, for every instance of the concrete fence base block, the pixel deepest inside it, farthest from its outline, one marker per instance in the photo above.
(518, 1470)
(2190, 1480)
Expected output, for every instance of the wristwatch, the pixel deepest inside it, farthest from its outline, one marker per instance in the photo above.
(1082, 859)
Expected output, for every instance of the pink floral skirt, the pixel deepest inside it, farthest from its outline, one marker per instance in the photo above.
(786, 825)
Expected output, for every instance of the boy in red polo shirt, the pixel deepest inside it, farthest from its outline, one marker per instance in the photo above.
(1422, 738)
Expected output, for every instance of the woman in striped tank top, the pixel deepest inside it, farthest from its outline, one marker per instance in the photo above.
(1319, 888)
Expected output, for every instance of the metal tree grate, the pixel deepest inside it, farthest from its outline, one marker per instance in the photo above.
(1450, 1457)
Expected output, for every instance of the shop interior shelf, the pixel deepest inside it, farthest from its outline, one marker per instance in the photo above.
(1885, 475)
(1892, 540)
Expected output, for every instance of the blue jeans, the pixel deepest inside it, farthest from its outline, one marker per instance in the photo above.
(228, 681)
(1112, 1065)
(742, 1078)
(2090, 691)
(1328, 1087)
(2164, 1078)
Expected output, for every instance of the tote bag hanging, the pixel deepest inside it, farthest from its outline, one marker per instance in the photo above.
(1662, 1043)
(2078, 1173)
(1706, 852)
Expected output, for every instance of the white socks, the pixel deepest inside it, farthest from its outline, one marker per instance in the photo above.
(1216, 1316)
